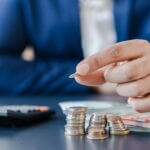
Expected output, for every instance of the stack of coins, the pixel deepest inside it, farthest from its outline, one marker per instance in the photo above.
(75, 121)
(116, 125)
(96, 129)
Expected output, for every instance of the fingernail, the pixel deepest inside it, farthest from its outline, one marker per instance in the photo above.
(83, 69)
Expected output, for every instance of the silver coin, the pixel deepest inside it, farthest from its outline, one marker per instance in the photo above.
(75, 124)
(98, 118)
(77, 110)
(73, 75)
(97, 123)
(96, 129)
(74, 130)
(74, 127)
(70, 133)
(75, 118)
(116, 125)
(76, 121)
(93, 137)
(94, 133)
(76, 115)
(123, 129)
(97, 126)
(118, 128)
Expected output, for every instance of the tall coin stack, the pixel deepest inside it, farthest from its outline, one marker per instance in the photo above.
(96, 129)
(116, 125)
(75, 121)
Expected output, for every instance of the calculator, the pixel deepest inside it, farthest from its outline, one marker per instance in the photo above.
(20, 115)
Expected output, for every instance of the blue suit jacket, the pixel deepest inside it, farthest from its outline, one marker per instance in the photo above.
(52, 27)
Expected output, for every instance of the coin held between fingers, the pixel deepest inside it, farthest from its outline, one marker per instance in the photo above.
(73, 75)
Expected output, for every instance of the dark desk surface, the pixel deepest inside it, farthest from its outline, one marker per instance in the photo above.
(50, 135)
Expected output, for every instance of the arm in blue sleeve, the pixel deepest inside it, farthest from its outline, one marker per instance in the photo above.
(20, 77)
(144, 20)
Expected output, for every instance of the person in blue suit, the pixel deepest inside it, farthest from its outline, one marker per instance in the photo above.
(52, 28)
(126, 63)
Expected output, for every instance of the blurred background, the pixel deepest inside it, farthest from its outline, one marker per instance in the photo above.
(42, 41)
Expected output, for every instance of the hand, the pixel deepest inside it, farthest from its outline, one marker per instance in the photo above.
(132, 78)
(106, 88)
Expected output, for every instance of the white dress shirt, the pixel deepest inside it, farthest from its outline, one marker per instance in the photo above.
(97, 25)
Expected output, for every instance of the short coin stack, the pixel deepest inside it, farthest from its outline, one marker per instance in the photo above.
(116, 125)
(75, 121)
(96, 129)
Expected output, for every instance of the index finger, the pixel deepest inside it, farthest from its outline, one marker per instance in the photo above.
(119, 52)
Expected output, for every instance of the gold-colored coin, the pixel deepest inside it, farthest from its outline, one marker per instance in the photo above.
(123, 132)
(74, 133)
(94, 137)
